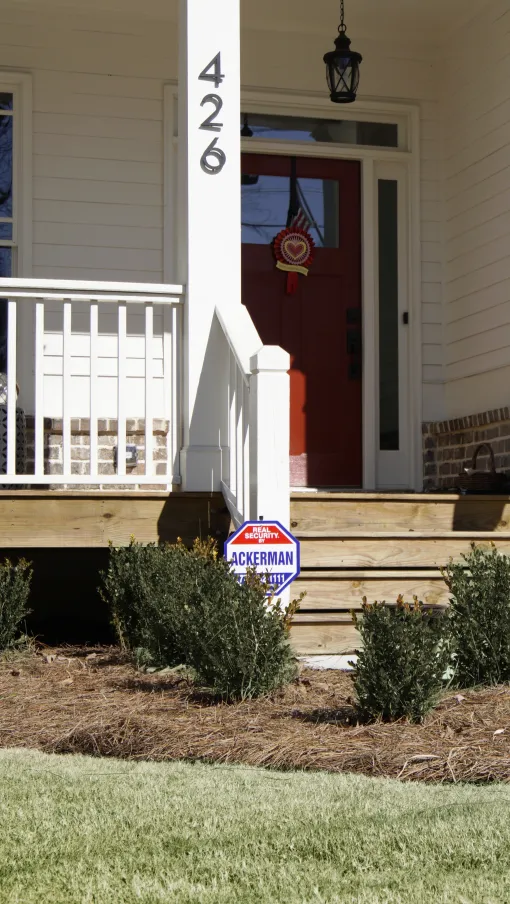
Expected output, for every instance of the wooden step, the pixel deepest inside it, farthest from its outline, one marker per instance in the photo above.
(322, 513)
(380, 545)
(334, 591)
(335, 634)
(390, 550)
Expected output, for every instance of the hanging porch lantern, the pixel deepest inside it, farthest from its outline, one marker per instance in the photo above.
(342, 67)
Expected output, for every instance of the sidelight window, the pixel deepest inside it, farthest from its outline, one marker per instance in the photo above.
(389, 406)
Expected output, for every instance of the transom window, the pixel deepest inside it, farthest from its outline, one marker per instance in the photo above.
(330, 131)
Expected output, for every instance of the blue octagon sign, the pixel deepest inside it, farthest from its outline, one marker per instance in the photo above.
(267, 546)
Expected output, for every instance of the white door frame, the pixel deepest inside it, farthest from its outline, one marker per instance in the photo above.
(407, 161)
(408, 158)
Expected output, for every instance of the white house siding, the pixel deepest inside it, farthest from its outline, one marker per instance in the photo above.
(97, 179)
(476, 114)
(98, 151)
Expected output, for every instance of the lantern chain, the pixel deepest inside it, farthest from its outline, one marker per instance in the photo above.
(341, 27)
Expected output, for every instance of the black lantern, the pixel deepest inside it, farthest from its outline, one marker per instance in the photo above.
(342, 67)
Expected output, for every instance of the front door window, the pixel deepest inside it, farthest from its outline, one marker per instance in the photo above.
(265, 204)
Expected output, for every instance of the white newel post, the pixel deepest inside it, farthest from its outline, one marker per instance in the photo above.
(209, 249)
(269, 435)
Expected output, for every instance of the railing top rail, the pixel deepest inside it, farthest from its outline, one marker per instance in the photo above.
(241, 335)
(85, 290)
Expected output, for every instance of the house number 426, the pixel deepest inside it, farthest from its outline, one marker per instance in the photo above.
(213, 159)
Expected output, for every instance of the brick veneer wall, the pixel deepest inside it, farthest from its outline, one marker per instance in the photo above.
(448, 446)
(107, 441)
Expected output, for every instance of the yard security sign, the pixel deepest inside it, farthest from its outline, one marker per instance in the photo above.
(268, 547)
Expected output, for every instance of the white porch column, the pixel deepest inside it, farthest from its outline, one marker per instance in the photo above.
(208, 226)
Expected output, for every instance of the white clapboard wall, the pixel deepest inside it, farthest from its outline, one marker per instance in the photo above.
(476, 113)
(98, 143)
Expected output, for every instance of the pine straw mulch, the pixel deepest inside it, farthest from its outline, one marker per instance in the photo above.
(75, 700)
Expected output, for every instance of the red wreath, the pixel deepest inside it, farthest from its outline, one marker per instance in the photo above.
(293, 248)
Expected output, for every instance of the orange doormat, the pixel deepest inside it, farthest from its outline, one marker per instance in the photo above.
(72, 700)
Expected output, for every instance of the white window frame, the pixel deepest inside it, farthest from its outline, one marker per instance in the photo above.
(20, 86)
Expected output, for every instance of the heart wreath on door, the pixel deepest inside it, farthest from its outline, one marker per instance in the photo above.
(293, 247)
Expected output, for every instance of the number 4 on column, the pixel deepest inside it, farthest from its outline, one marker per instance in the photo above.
(212, 72)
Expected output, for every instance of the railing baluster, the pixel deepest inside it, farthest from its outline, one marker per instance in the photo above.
(94, 394)
(149, 354)
(121, 389)
(246, 452)
(168, 390)
(66, 388)
(11, 385)
(232, 466)
(239, 439)
(176, 389)
(39, 389)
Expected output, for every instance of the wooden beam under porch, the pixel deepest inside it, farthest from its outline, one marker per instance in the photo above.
(79, 518)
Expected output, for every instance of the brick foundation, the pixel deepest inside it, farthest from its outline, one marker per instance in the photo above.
(107, 441)
(448, 446)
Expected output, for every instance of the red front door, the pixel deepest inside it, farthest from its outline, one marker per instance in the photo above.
(319, 325)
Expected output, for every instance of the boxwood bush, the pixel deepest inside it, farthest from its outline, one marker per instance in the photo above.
(399, 671)
(235, 639)
(14, 592)
(479, 616)
(172, 605)
(146, 588)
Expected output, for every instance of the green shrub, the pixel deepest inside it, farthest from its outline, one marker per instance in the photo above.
(173, 605)
(400, 668)
(235, 640)
(14, 591)
(479, 617)
(146, 589)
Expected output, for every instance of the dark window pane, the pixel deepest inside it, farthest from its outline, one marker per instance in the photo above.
(6, 231)
(265, 205)
(331, 131)
(378, 134)
(5, 101)
(5, 166)
(388, 315)
(5, 261)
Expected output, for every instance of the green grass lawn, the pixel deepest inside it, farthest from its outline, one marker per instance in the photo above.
(75, 830)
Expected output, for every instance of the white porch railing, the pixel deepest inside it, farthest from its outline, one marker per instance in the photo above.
(98, 357)
(255, 470)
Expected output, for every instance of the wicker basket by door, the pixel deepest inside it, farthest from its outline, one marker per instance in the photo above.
(473, 481)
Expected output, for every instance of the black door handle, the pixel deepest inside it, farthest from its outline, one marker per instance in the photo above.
(353, 342)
